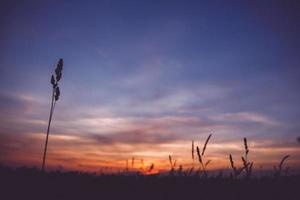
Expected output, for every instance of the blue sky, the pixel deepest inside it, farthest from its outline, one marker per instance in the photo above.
(149, 73)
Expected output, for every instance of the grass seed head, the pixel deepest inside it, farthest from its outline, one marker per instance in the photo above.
(246, 146)
(199, 155)
(205, 144)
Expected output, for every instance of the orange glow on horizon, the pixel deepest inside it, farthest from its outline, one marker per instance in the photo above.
(77, 153)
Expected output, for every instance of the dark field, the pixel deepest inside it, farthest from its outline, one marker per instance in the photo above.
(25, 183)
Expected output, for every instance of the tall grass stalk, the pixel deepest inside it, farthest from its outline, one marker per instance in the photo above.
(278, 170)
(55, 96)
(201, 156)
(247, 166)
(193, 152)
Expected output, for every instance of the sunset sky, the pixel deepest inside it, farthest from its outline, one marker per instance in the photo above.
(143, 79)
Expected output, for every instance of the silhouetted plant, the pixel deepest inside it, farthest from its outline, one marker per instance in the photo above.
(201, 156)
(193, 152)
(132, 163)
(247, 165)
(236, 171)
(279, 168)
(172, 164)
(151, 168)
(76, 185)
(142, 165)
(126, 169)
(180, 170)
(55, 96)
(188, 172)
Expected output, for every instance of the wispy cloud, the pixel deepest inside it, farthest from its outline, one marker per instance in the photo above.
(246, 117)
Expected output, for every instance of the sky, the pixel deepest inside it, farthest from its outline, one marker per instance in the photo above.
(143, 79)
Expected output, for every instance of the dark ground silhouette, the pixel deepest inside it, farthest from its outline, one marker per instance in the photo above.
(24, 183)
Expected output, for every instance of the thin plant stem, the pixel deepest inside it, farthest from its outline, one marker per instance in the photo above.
(48, 129)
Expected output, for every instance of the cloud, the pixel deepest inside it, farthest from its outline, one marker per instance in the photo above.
(139, 136)
(21, 113)
(10, 102)
(19, 148)
(151, 125)
(246, 117)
